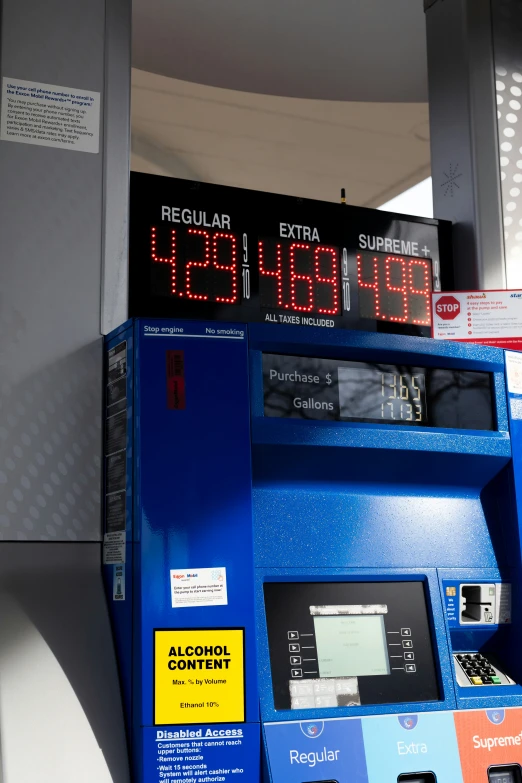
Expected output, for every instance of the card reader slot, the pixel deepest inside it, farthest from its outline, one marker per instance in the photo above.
(505, 773)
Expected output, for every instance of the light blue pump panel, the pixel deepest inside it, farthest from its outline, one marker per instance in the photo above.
(416, 742)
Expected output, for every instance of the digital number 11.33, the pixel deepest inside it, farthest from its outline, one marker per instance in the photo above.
(402, 396)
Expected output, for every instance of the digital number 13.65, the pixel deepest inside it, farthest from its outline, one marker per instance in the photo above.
(403, 397)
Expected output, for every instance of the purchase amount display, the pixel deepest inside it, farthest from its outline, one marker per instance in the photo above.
(302, 387)
(222, 253)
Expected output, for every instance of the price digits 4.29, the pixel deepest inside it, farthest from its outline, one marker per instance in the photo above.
(402, 396)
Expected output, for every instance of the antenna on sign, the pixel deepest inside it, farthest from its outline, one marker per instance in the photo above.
(343, 196)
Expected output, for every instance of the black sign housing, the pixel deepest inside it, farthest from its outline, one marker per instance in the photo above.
(217, 253)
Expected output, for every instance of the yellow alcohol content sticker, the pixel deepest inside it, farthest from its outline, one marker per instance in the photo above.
(199, 676)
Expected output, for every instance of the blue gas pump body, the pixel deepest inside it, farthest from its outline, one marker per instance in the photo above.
(208, 501)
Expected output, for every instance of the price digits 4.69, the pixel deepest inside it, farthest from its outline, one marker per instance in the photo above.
(402, 396)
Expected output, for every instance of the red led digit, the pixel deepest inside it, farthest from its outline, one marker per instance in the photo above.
(197, 264)
(170, 260)
(402, 289)
(374, 285)
(333, 281)
(294, 276)
(277, 273)
(425, 292)
(220, 237)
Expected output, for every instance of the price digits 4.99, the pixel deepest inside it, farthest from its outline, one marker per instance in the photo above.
(392, 288)
(402, 397)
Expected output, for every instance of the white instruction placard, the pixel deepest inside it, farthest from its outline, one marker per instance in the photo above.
(50, 116)
(114, 548)
(514, 372)
(198, 587)
(486, 317)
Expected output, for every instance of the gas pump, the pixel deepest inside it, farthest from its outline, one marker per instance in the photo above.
(312, 550)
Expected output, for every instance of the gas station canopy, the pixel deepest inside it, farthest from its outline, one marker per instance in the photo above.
(343, 50)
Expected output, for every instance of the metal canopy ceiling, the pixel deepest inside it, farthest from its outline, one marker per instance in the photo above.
(344, 50)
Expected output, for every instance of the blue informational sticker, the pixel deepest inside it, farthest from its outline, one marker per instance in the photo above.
(330, 750)
(451, 601)
(398, 744)
(228, 753)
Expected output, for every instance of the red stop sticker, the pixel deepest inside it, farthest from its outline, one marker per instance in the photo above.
(447, 308)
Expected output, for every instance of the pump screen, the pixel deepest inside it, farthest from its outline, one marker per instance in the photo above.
(351, 646)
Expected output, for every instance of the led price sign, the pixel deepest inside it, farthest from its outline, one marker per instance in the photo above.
(202, 264)
(211, 252)
(299, 276)
(394, 288)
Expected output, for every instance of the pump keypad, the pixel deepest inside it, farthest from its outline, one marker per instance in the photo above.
(478, 670)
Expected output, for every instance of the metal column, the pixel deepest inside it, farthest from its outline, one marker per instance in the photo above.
(475, 92)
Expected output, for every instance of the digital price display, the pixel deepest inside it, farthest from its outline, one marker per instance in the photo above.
(304, 387)
(394, 288)
(199, 265)
(372, 394)
(299, 276)
(217, 253)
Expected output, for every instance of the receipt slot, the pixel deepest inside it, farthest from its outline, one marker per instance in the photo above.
(505, 774)
(417, 777)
